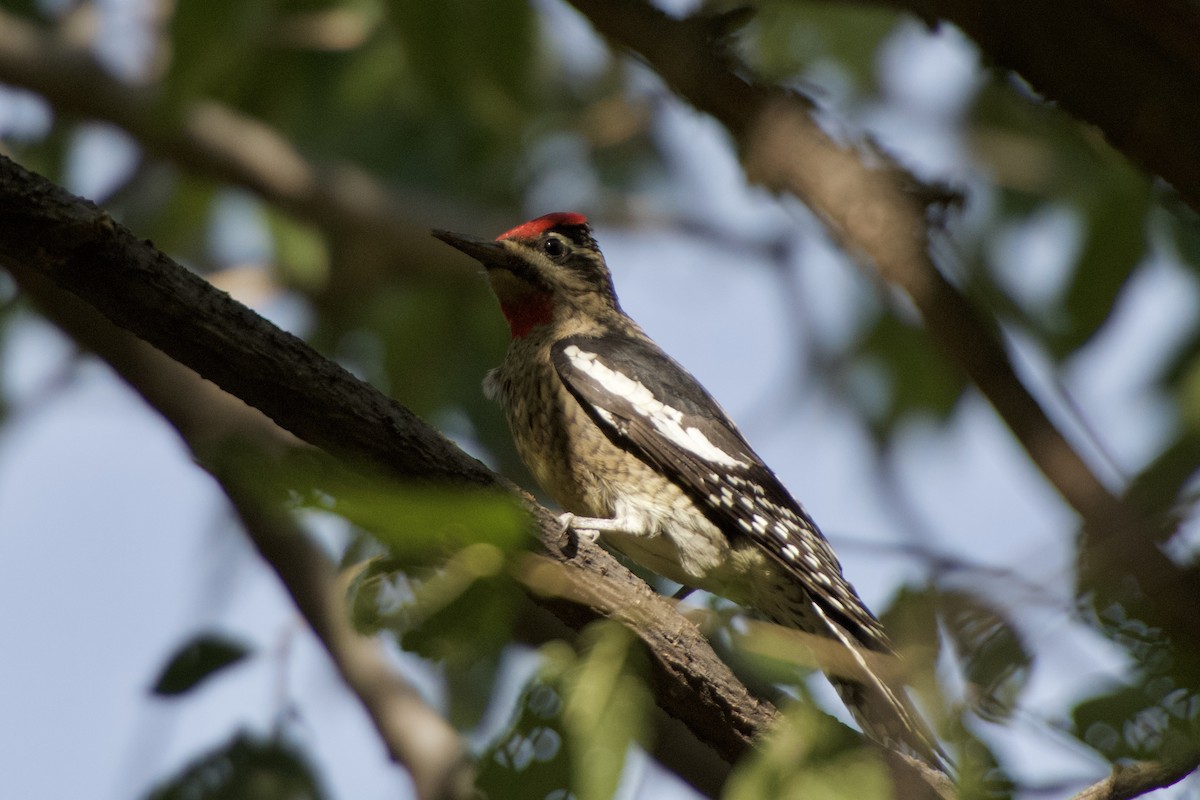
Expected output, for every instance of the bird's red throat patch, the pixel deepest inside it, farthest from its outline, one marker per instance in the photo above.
(526, 313)
(524, 306)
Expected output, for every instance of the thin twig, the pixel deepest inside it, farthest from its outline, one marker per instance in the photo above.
(1133, 780)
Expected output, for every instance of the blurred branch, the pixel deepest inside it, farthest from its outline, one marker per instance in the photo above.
(878, 212)
(1133, 780)
(212, 422)
(1128, 67)
(220, 144)
(48, 232)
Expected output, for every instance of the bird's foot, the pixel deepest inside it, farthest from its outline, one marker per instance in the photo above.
(568, 528)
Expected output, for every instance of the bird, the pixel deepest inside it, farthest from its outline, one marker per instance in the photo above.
(636, 451)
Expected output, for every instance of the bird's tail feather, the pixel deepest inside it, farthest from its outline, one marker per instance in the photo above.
(881, 707)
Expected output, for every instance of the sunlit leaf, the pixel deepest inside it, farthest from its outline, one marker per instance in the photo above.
(301, 254)
(809, 754)
(980, 775)
(912, 623)
(424, 523)
(197, 661)
(605, 706)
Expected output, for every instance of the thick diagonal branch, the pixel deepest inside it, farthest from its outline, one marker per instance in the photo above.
(1129, 67)
(78, 247)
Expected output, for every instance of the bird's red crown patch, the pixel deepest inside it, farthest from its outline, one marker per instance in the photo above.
(536, 227)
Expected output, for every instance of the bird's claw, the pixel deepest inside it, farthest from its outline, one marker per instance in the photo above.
(583, 534)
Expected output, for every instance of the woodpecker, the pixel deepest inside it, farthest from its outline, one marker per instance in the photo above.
(634, 449)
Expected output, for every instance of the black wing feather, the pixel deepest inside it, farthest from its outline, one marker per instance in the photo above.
(730, 496)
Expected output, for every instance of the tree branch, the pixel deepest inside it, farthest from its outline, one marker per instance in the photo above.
(222, 145)
(877, 212)
(1128, 67)
(211, 422)
(78, 247)
(1133, 780)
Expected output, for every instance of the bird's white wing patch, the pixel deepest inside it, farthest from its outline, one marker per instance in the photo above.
(666, 421)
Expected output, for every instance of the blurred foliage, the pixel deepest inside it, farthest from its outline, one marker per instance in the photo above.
(994, 660)
(197, 661)
(576, 721)
(246, 768)
(486, 104)
(810, 755)
(442, 583)
(785, 39)
(530, 760)
(1156, 715)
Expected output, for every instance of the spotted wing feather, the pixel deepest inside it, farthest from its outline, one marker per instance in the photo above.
(651, 406)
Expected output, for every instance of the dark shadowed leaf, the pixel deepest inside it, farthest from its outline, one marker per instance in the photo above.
(530, 759)
(1115, 243)
(466, 633)
(917, 379)
(994, 659)
(788, 38)
(198, 660)
(576, 721)
(1156, 715)
(214, 44)
(246, 768)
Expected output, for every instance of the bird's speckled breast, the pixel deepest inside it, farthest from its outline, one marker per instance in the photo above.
(541, 412)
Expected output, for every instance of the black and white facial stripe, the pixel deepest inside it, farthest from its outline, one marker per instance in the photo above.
(651, 406)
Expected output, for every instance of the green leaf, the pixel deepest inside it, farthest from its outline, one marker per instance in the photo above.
(421, 524)
(604, 711)
(197, 661)
(301, 253)
(917, 379)
(995, 662)
(912, 624)
(1116, 218)
(213, 45)
(980, 774)
(1140, 722)
(467, 633)
(530, 760)
(470, 53)
(1155, 717)
(247, 768)
(810, 754)
(785, 37)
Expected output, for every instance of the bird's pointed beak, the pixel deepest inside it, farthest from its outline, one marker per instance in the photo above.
(485, 251)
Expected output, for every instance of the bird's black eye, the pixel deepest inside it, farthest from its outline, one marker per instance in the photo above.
(554, 247)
